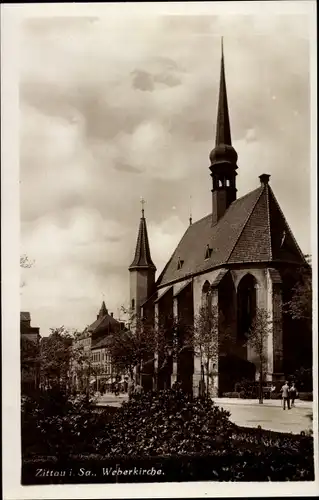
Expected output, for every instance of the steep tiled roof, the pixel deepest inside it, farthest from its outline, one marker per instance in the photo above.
(105, 322)
(253, 229)
(142, 256)
(101, 342)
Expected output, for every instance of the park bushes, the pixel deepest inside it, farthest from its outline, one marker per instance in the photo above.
(170, 422)
(305, 396)
(188, 438)
(231, 395)
(53, 423)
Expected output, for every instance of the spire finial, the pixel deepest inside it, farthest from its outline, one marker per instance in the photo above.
(190, 211)
(142, 203)
(223, 127)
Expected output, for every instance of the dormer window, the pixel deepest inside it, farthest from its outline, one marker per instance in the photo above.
(208, 252)
(179, 263)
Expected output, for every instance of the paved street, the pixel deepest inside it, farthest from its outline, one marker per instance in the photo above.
(249, 413)
(269, 416)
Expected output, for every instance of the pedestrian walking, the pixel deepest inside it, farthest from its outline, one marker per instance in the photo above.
(293, 394)
(130, 388)
(285, 395)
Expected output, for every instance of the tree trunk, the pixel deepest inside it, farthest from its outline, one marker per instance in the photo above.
(207, 379)
(261, 387)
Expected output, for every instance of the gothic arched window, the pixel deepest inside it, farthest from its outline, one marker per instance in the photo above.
(246, 305)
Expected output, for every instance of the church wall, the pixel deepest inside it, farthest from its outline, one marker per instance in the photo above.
(260, 275)
(268, 296)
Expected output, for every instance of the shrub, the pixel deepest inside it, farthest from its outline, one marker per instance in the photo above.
(231, 395)
(303, 379)
(168, 422)
(305, 396)
(238, 387)
(52, 423)
(275, 395)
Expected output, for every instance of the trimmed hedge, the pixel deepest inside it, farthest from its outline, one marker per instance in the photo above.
(231, 395)
(305, 396)
(255, 455)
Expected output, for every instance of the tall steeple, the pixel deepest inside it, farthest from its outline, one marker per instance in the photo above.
(142, 270)
(223, 157)
(223, 135)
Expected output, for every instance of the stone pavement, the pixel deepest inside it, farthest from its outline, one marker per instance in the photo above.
(269, 415)
(249, 413)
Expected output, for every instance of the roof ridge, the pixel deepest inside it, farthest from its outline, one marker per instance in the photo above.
(268, 220)
(170, 259)
(233, 203)
(287, 225)
(247, 220)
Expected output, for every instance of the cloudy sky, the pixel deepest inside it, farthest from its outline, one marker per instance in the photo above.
(117, 107)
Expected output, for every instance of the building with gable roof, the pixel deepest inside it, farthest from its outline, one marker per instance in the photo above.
(243, 256)
(93, 342)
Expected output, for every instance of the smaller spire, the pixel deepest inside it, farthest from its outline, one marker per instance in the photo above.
(142, 258)
(103, 310)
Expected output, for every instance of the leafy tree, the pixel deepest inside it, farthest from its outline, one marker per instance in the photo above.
(25, 263)
(139, 343)
(206, 342)
(210, 337)
(29, 363)
(257, 339)
(81, 364)
(131, 347)
(300, 305)
(56, 353)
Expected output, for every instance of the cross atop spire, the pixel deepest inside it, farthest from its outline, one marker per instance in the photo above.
(142, 203)
(223, 135)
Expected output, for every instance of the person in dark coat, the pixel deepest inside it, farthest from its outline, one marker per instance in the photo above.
(285, 395)
(293, 394)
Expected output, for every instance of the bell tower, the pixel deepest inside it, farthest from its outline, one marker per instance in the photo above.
(142, 270)
(223, 157)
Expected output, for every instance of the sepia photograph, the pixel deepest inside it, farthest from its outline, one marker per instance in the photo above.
(165, 184)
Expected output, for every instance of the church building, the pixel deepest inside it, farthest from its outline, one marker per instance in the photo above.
(240, 257)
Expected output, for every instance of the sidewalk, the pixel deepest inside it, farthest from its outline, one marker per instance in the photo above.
(255, 402)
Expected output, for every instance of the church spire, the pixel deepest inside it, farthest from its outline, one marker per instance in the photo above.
(223, 158)
(142, 258)
(223, 135)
